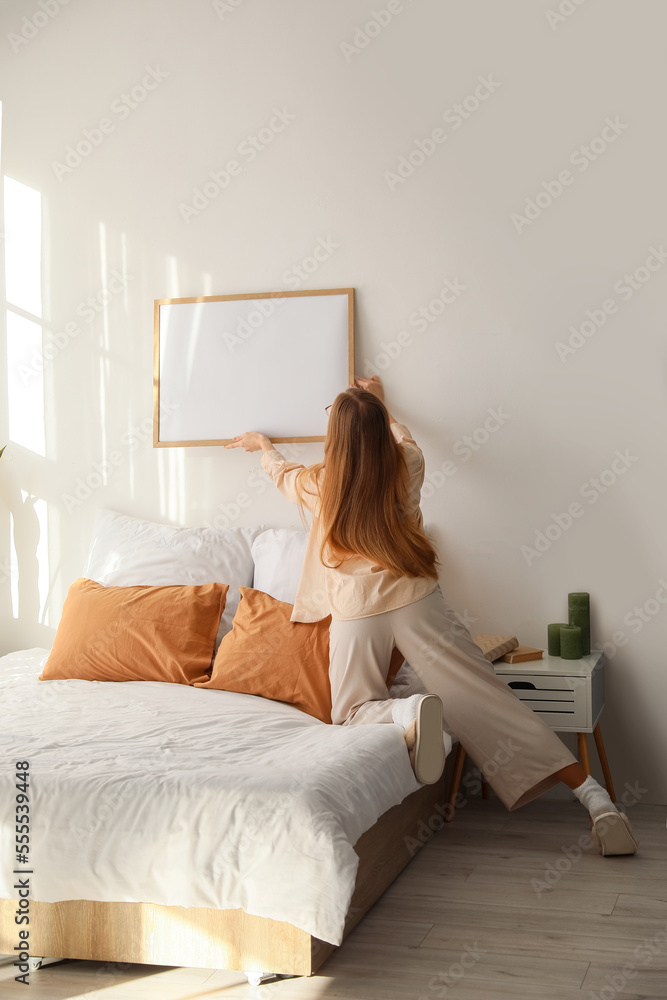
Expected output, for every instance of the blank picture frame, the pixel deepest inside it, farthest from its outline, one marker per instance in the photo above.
(265, 361)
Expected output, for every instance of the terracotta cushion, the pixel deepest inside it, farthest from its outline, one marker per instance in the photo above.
(136, 633)
(268, 655)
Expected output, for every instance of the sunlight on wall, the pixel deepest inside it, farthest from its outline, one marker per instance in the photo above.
(171, 473)
(172, 278)
(13, 568)
(104, 345)
(23, 280)
(25, 383)
(29, 536)
(124, 270)
(23, 247)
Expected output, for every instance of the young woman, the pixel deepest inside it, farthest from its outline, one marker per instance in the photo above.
(370, 565)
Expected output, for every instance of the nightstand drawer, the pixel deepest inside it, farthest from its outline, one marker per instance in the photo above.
(562, 702)
(567, 694)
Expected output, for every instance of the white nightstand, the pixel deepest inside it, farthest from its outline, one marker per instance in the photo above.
(567, 694)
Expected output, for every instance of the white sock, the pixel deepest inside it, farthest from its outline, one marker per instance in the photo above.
(404, 710)
(594, 797)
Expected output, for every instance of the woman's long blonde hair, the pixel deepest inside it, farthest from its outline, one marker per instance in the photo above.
(364, 490)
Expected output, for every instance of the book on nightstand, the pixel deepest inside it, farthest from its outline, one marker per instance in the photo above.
(521, 654)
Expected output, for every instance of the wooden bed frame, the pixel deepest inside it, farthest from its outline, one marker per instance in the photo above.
(199, 937)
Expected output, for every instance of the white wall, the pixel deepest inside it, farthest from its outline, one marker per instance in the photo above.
(220, 71)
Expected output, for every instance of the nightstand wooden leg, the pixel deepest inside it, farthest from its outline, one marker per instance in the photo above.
(583, 752)
(457, 772)
(604, 762)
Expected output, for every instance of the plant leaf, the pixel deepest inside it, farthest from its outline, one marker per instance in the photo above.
(2, 449)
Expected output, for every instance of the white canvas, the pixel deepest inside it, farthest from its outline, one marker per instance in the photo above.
(269, 364)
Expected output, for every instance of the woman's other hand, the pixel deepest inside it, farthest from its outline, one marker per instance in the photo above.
(373, 385)
(251, 441)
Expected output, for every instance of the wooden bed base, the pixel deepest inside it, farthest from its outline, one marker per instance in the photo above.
(199, 937)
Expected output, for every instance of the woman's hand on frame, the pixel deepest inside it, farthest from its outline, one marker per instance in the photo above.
(373, 385)
(250, 441)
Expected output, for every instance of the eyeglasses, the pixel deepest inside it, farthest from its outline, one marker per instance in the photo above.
(327, 408)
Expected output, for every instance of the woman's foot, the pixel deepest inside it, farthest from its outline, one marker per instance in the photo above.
(421, 719)
(611, 828)
(614, 834)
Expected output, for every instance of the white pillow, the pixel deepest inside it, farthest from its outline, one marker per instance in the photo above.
(278, 554)
(129, 552)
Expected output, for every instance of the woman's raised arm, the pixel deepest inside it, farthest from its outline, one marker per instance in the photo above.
(280, 470)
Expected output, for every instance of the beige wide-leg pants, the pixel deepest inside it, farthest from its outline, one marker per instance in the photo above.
(515, 751)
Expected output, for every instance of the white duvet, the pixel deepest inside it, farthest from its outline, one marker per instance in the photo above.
(163, 793)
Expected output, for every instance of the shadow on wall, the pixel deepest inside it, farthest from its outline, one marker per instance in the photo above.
(23, 602)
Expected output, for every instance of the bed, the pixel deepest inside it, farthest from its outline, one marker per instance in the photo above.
(186, 826)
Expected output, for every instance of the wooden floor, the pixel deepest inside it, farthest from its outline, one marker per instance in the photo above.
(491, 908)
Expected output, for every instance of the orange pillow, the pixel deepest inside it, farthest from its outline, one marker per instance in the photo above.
(136, 633)
(268, 655)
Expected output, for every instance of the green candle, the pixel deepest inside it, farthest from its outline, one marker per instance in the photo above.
(579, 613)
(553, 638)
(570, 642)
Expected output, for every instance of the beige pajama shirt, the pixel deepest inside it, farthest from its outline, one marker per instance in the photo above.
(373, 611)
